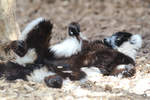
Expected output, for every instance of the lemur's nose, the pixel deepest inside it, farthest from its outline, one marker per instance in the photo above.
(106, 40)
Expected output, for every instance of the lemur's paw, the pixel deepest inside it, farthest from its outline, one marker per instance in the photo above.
(128, 71)
(54, 81)
(19, 47)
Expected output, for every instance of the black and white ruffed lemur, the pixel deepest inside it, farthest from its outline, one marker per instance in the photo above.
(114, 56)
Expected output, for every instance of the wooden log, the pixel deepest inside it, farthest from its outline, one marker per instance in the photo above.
(9, 29)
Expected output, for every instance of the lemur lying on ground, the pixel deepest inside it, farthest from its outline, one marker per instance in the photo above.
(94, 53)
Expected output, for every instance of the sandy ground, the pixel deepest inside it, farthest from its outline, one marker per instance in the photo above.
(98, 19)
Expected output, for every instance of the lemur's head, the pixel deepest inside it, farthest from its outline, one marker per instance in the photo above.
(125, 43)
(119, 38)
(74, 29)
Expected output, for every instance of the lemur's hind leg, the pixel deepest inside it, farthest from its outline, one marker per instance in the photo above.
(12, 71)
(124, 71)
(36, 35)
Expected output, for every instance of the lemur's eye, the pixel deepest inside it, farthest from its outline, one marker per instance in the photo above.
(71, 33)
(118, 39)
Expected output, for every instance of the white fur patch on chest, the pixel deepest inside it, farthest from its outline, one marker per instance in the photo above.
(38, 75)
(30, 57)
(67, 48)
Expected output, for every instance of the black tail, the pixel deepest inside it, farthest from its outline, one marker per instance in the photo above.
(13, 71)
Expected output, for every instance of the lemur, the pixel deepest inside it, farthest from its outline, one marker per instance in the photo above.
(90, 51)
(118, 60)
(111, 62)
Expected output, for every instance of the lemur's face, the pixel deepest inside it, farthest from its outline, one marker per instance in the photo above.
(117, 39)
(74, 29)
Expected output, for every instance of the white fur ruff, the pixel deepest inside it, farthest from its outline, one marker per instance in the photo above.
(67, 48)
(38, 75)
(29, 27)
(30, 57)
(130, 47)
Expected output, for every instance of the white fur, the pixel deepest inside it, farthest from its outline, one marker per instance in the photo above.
(130, 47)
(67, 71)
(38, 75)
(30, 57)
(67, 48)
(29, 27)
(120, 67)
(136, 40)
(125, 68)
(93, 74)
(128, 67)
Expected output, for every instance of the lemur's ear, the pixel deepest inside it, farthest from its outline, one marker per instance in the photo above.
(74, 29)
(136, 40)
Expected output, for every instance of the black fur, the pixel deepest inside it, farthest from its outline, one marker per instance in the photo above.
(117, 39)
(74, 29)
(19, 47)
(13, 71)
(38, 38)
(94, 54)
